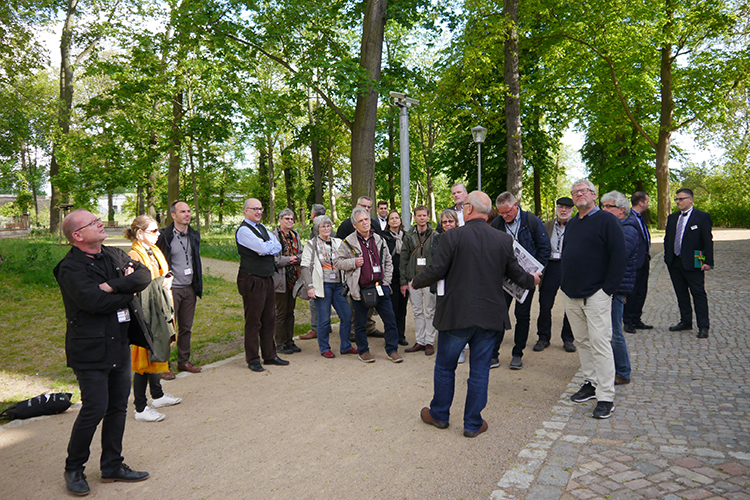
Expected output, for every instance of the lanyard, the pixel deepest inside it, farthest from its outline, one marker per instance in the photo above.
(187, 257)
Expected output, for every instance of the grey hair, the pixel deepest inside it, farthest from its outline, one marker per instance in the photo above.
(618, 199)
(285, 212)
(463, 186)
(583, 182)
(505, 198)
(319, 221)
(450, 213)
(318, 209)
(358, 210)
(476, 201)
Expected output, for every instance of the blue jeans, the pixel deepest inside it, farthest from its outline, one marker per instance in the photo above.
(385, 310)
(450, 346)
(341, 305)
(619, 347)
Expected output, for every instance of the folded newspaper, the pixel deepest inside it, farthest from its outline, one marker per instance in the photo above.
(529, 264)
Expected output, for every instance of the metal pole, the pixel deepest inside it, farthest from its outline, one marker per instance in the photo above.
(403, 137)
(479, 168)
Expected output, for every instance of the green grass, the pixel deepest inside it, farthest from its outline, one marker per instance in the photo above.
(32, 320)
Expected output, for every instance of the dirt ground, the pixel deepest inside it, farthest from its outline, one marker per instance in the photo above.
(315, 429)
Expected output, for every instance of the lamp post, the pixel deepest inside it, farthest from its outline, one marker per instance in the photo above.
(479, 133)
(404, 103)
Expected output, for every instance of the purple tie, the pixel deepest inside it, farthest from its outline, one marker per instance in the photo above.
(678, 235)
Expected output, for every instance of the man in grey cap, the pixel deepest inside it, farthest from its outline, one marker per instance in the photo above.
(551, 280)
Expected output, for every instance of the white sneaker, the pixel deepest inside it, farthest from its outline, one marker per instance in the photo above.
(165, 400)
(149, 415)
(462, 357)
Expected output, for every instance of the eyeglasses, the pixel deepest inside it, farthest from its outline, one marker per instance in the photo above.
(152, 231)
(94, 222)
(581, 191)
(289, 219)
(683, 198)
(257, 209)
(609, 206)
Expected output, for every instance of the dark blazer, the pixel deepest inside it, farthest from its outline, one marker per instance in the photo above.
(165, 245)
(473, 259)
(93, 339)
(697, 236)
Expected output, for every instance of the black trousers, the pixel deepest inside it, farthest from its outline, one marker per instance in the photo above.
(140, 380)
(547, 292)
(522, 312)
(687, 283)
(104, 396)
(400, 304)
(634, 305)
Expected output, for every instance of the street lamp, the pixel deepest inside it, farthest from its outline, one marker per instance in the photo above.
(404, 103)
(479, 133)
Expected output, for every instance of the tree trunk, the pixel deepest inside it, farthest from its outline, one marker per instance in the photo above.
(63, 112)
(665, 126)
(537, 193)
(513, 103)
(365, 114)
(140, 202)
(331, 191)
(271, 183)
(194, 182)
(314, 151)
(173, 177)
(110, 207)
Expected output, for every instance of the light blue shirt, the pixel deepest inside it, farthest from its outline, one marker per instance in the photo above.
(247, 238)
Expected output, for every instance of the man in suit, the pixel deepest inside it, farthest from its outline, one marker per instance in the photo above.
(98, 284)
(634, 306)
(459, 194)
(689, 252)
(551, 280)
(473, 260)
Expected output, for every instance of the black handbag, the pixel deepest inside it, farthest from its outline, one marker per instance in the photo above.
(369, 296)
(44, 404)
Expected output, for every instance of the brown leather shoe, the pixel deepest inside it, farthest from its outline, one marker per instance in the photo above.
(189, 367)
(427, 419)
(620, 380)
(415, 348)
(309, 335)
(395, 357)
(429, 350)
(168, 375)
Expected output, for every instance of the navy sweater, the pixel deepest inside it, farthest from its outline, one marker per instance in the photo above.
(594, 255)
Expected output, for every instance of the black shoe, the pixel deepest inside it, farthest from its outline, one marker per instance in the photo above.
(285, 350)
(293, 347)
(473, 434)
(276, 361)
(603, 409)
(585, 393)
(256, 366)
(125, 474)
(516, 363)
(680, 326)
(640, 325)
(376, 334)
(403, 342)
(569, 347)
(495, 363)
(75, 480)
(540, 346)
(627, 327)
(702, 333)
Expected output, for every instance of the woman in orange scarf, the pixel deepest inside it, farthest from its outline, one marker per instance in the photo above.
(158, 309)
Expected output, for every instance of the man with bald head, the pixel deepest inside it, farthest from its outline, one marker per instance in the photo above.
(473, 260)
(257, 246)
(98, 286)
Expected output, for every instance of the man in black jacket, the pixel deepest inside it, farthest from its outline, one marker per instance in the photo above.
(473, 260)
(689, 252)
(594, 257)
(180, 244)
(98, 284)
(531, 234)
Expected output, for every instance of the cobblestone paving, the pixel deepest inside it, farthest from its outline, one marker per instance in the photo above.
(681, 428)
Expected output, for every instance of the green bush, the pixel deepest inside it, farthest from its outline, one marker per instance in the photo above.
(31, 259)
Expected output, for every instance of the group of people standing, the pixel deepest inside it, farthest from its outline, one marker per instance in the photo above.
(124, 310)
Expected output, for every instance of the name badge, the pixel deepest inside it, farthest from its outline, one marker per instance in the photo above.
(441, 288)
(332, 276)
(556, 255)
(188, 271)
(693, 228)
(123, 315)
(375, 269)
(379, 289)
(421, 261)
